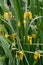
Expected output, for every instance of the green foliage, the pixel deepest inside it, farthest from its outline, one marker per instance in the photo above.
(17, 37)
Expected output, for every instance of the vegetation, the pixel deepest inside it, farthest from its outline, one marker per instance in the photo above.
(21, 32)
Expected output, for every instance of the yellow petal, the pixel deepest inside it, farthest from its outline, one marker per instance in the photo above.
(24, 23)
(7, 36)
(6, 15)
(28, 37)
(0, 31)
(19, 24)
(21, 56)
(33, 35)
(30, 41)
(25, 15)
(16, 55)
(10, 15)
(36, 55)
(30, 15)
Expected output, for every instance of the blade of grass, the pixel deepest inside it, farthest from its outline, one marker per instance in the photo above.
(6, 50)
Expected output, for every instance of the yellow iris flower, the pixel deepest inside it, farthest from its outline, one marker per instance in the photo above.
(7, 36)
(33, 35)
(7, 16)
(0, 31)
(30, 15)
(19, 24)
(25, 15)
(29, 39)
(24, 23)
(20, 54)
(36, 55)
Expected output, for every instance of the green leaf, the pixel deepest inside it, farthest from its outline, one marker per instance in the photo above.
(6, 50)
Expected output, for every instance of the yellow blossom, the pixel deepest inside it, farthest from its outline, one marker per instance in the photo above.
(6, 15)
(10, 15)
(20, 54)
(16, 55)
(7, 36)
(30, 39)
(24, 23)
(0, 30)
(36, 55)
(33, 35)
(30, 15)
(25, 15)
(19, 24)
